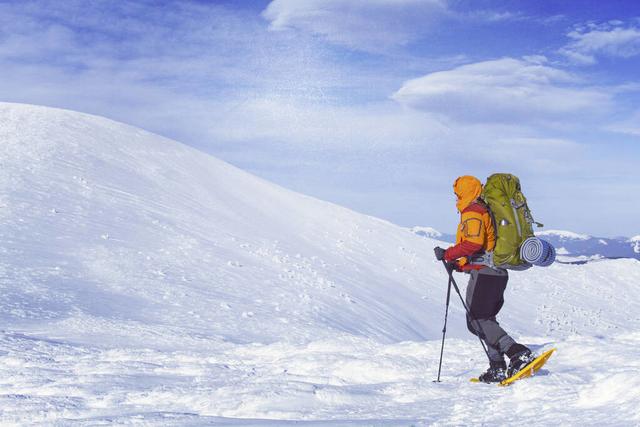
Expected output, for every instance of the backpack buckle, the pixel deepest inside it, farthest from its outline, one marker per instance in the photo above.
(482, 259)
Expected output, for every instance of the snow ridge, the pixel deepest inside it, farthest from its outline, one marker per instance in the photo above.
(426, 231)
(568, 235)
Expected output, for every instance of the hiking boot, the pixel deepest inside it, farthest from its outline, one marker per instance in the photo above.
(519, 357)
(497, 372)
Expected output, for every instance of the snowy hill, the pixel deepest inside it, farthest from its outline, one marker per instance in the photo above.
(126, 226)
(144, 281)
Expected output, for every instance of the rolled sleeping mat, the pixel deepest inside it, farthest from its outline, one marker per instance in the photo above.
(551, 255)
(537, 252)
(532, 250)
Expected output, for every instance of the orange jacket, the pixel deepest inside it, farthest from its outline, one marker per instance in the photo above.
(475, 234)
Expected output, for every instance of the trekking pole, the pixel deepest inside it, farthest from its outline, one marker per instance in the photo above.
(455, 286)
(444, 328)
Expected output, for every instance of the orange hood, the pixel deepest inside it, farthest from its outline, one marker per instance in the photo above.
(467, 188)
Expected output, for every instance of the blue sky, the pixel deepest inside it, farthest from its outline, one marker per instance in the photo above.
(377, 105)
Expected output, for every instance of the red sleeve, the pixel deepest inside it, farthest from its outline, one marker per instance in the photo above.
(462, 249)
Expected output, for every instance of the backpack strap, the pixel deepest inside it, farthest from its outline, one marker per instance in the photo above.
(483, 258)
(477, 206)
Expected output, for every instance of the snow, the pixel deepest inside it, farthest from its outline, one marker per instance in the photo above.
(427, 231)
(337, 380)
(569, 235)
(592, 247)
(145, 282)
(579, 258)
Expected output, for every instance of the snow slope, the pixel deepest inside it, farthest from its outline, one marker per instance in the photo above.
(119, 225)
(144, 282)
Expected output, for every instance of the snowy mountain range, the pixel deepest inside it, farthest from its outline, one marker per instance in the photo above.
(584, 246)
(145, 282)
(570, 246)
(433, 234)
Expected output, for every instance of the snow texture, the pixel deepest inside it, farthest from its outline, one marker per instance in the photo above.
(427, 232)
(566, 235)
(143, 282)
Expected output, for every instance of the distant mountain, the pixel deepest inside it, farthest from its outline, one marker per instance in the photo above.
(569, 245)
(581, 245)
(563, 235)
(432, 233)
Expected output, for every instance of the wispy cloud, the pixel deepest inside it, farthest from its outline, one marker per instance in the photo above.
(493, 16)
(629, 126)
(377, 26)
(504, 90)
(138, 61)
(184, 42)
(368, 25)
(611, 39)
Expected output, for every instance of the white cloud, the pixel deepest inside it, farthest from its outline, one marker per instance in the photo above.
(495, 147)
(629, 126)
(493, 16)
(541, 153)
(528, 142)
(379, 26)
(610, 39)
(503, 90)
(345, 128)
(369, 25)
(156, 67)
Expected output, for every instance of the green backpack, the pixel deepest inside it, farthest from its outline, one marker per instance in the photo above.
(512, 219)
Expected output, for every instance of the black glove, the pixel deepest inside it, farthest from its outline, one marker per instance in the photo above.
(439, 253)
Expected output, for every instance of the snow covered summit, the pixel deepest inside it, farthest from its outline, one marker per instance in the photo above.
(563, 235)
(575, 246)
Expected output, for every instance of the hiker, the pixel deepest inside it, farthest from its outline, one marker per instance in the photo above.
(485, 292)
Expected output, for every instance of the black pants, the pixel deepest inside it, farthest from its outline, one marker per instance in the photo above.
(485, 297)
